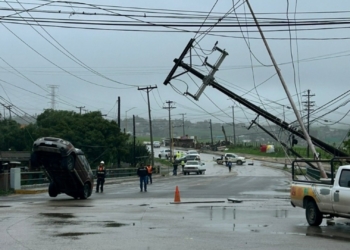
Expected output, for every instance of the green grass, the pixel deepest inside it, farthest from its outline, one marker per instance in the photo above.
(5, 193)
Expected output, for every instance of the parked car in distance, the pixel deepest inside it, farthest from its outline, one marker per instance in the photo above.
(164, 154)
(156, 144)
(188, 157)
(195, 167)
(191, 152)
(65, 166)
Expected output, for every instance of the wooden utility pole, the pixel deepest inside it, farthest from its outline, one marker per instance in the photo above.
(134, 141)
(148, 89)
(183, 124)
(170, 134)
(211, 132)
(233, 125)
(80, 108)
(308, 107)
(118, 121)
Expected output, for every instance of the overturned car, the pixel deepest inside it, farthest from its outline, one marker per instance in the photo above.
(65, 166)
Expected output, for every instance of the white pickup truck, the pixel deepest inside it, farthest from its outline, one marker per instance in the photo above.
(323, 198)
(239, 160)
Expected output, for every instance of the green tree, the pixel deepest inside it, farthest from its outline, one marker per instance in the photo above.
(100, 139)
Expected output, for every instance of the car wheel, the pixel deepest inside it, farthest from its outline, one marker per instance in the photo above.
(86, 191)
(313, 215)
(52, 190)
(198, 172)
(239, 162)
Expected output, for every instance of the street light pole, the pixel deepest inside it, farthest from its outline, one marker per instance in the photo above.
(126, 119)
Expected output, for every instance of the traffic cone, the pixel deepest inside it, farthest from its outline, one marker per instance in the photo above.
(177, 195)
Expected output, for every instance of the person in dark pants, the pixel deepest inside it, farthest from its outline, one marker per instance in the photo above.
(175, 168)
(101, 175)
(142, 173)
(149, 173)
(229, 164)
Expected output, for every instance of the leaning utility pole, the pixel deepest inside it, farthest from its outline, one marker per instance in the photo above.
(170, 136)
(148, 89)
(308, 107)
(296, 112)
(80, 108)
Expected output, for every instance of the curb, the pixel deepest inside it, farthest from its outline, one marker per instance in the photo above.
(24, 191)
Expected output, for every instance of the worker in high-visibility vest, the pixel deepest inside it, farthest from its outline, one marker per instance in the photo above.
(149, 173)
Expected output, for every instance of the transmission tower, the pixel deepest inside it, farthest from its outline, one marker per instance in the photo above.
(53, 95)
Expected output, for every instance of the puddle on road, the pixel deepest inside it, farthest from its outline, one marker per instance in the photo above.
(58, 215)
(70, 206)
(75, 235)
(115, 224)
(231, 213)
(4, 206)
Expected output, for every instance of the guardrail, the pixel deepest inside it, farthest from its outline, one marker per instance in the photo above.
(38, 177)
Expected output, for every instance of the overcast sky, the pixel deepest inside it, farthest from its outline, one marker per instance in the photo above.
(92, 52)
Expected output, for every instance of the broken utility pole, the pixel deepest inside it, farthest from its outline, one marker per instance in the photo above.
(296, 112)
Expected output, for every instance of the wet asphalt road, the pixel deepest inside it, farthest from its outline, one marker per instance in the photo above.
(124, 218)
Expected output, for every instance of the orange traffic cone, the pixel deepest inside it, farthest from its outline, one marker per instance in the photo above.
(177, 195)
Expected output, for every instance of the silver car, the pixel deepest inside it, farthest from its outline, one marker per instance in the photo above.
(195, 167)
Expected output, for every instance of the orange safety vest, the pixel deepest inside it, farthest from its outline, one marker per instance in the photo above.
(149, 169)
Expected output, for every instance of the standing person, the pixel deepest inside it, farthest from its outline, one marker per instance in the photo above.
(182, 165)
(178, 155)
(149, 173)
(142, 173)
(175, 168)
(229, 164)
(101, 175)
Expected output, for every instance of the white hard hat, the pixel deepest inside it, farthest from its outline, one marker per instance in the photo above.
(102, 162)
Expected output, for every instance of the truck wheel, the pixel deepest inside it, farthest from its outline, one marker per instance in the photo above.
(239, 162)
(313, 215)
(52, 190)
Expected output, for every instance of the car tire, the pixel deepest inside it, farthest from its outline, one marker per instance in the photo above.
(239, 162)
(313, 215)
(85, 191)
(52, 190)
